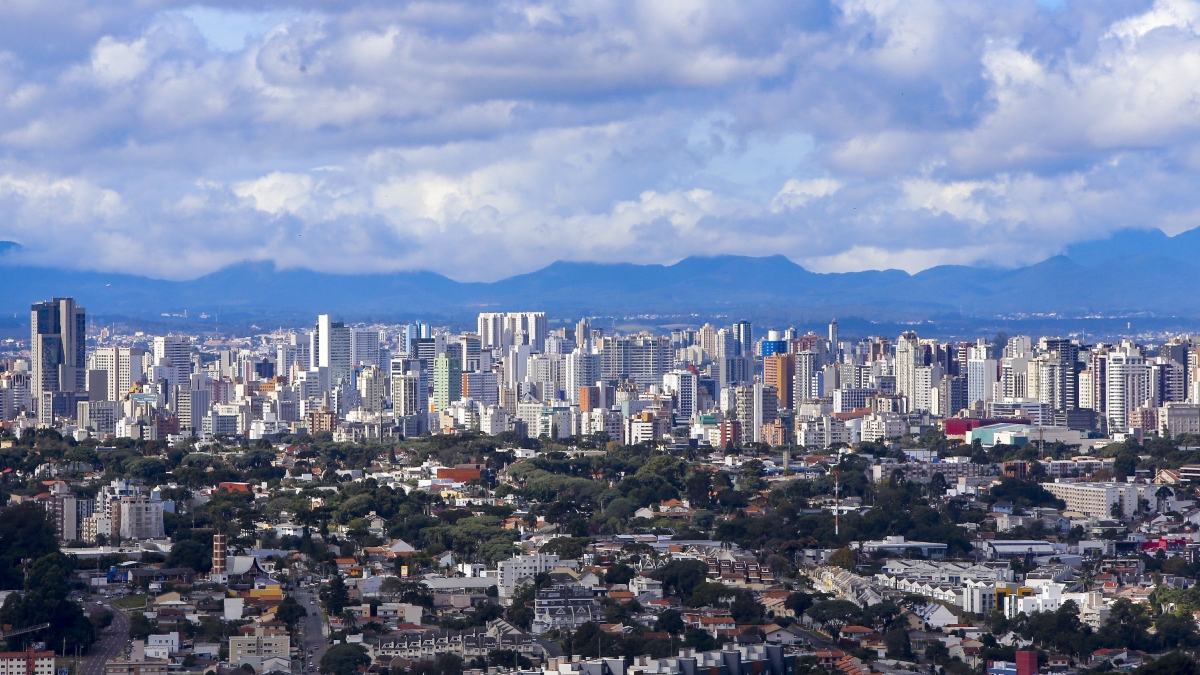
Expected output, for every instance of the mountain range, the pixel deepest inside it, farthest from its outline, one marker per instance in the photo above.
(1131, 272)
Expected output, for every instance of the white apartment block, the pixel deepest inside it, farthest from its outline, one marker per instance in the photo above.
(518, 567)
(1097, 499)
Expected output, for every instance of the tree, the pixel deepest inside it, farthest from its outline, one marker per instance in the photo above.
(745, 609)
(414, 592)
(290, 611)
(190, 553)
(46, 601)
(834, 613)
(843, 557)
(798, 602)
(567, 548)
(898, 645)
(619, 574)
(26, 533)
(671, 621)
(1176, 632)
(344, 659)
(1128, 625)
(335, 596)
(680, 577)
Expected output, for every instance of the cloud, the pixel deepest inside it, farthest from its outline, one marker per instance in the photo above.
(487, 139)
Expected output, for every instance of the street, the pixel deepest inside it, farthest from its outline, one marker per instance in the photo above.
(313, 636)
(111, 645)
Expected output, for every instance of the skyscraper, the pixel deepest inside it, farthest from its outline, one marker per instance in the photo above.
(123, 366)
(743, 339)
(174, 353)
(334, 349)
(447, 382)
(58, 350)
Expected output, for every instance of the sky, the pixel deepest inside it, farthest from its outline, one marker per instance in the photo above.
(485, 139)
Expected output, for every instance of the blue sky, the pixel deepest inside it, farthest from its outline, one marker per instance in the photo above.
(485, 139)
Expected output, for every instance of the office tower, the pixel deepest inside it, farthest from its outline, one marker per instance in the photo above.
(470, 349)
(743, 339)
(708, 340)
(1018, 345)
(97, 384)
(583, 335)
(682, 385)
(1058, 373)
(123, 366)
(364, 347)
(833, 336)
(981, 372)
(1168, 381)
(1014, 374)
(98, 416)
(425, 350)
(502, 330)
(447, 382)
(1127, 387)
(173, 352)
(642, 358)
(925, 379)
(372, 389)
(733, 370)
(804, 383)
(490, 327)
(483, 387)
(409, 393)
(779, 371)
(909, 356)
(333, 349)
(582, 370)
(951, 395)
(191, 407)
(57, 351)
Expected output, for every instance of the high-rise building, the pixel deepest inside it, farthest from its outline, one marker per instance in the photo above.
(491, 330)
(909, 356)
(804, 386)
(641, 358)
(173, 352)
(779, 370)
(743, 338)
(372, 389)
(583, 370)
(58, 351)
(364, 347)
(1127, 387)
(447, 382)
(682, 385)
(123, 365)
(981, 373)
(334, 349)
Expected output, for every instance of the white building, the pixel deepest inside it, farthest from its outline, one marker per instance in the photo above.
(512, 571)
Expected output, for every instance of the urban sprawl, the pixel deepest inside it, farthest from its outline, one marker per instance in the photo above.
(515, 498)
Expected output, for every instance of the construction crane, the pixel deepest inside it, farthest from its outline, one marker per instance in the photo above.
(21, 631)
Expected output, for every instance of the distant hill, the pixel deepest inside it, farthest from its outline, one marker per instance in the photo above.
(1129, 272)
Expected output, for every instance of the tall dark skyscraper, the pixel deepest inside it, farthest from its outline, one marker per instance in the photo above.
(58, 350)
(743, 338)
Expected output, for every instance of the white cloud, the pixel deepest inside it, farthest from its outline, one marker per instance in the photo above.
(486, 140)
(116, 62)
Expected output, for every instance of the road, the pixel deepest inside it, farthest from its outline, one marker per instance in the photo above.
(313, 636)
(112, 643)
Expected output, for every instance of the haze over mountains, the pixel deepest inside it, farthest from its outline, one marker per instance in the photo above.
(1134, 271)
